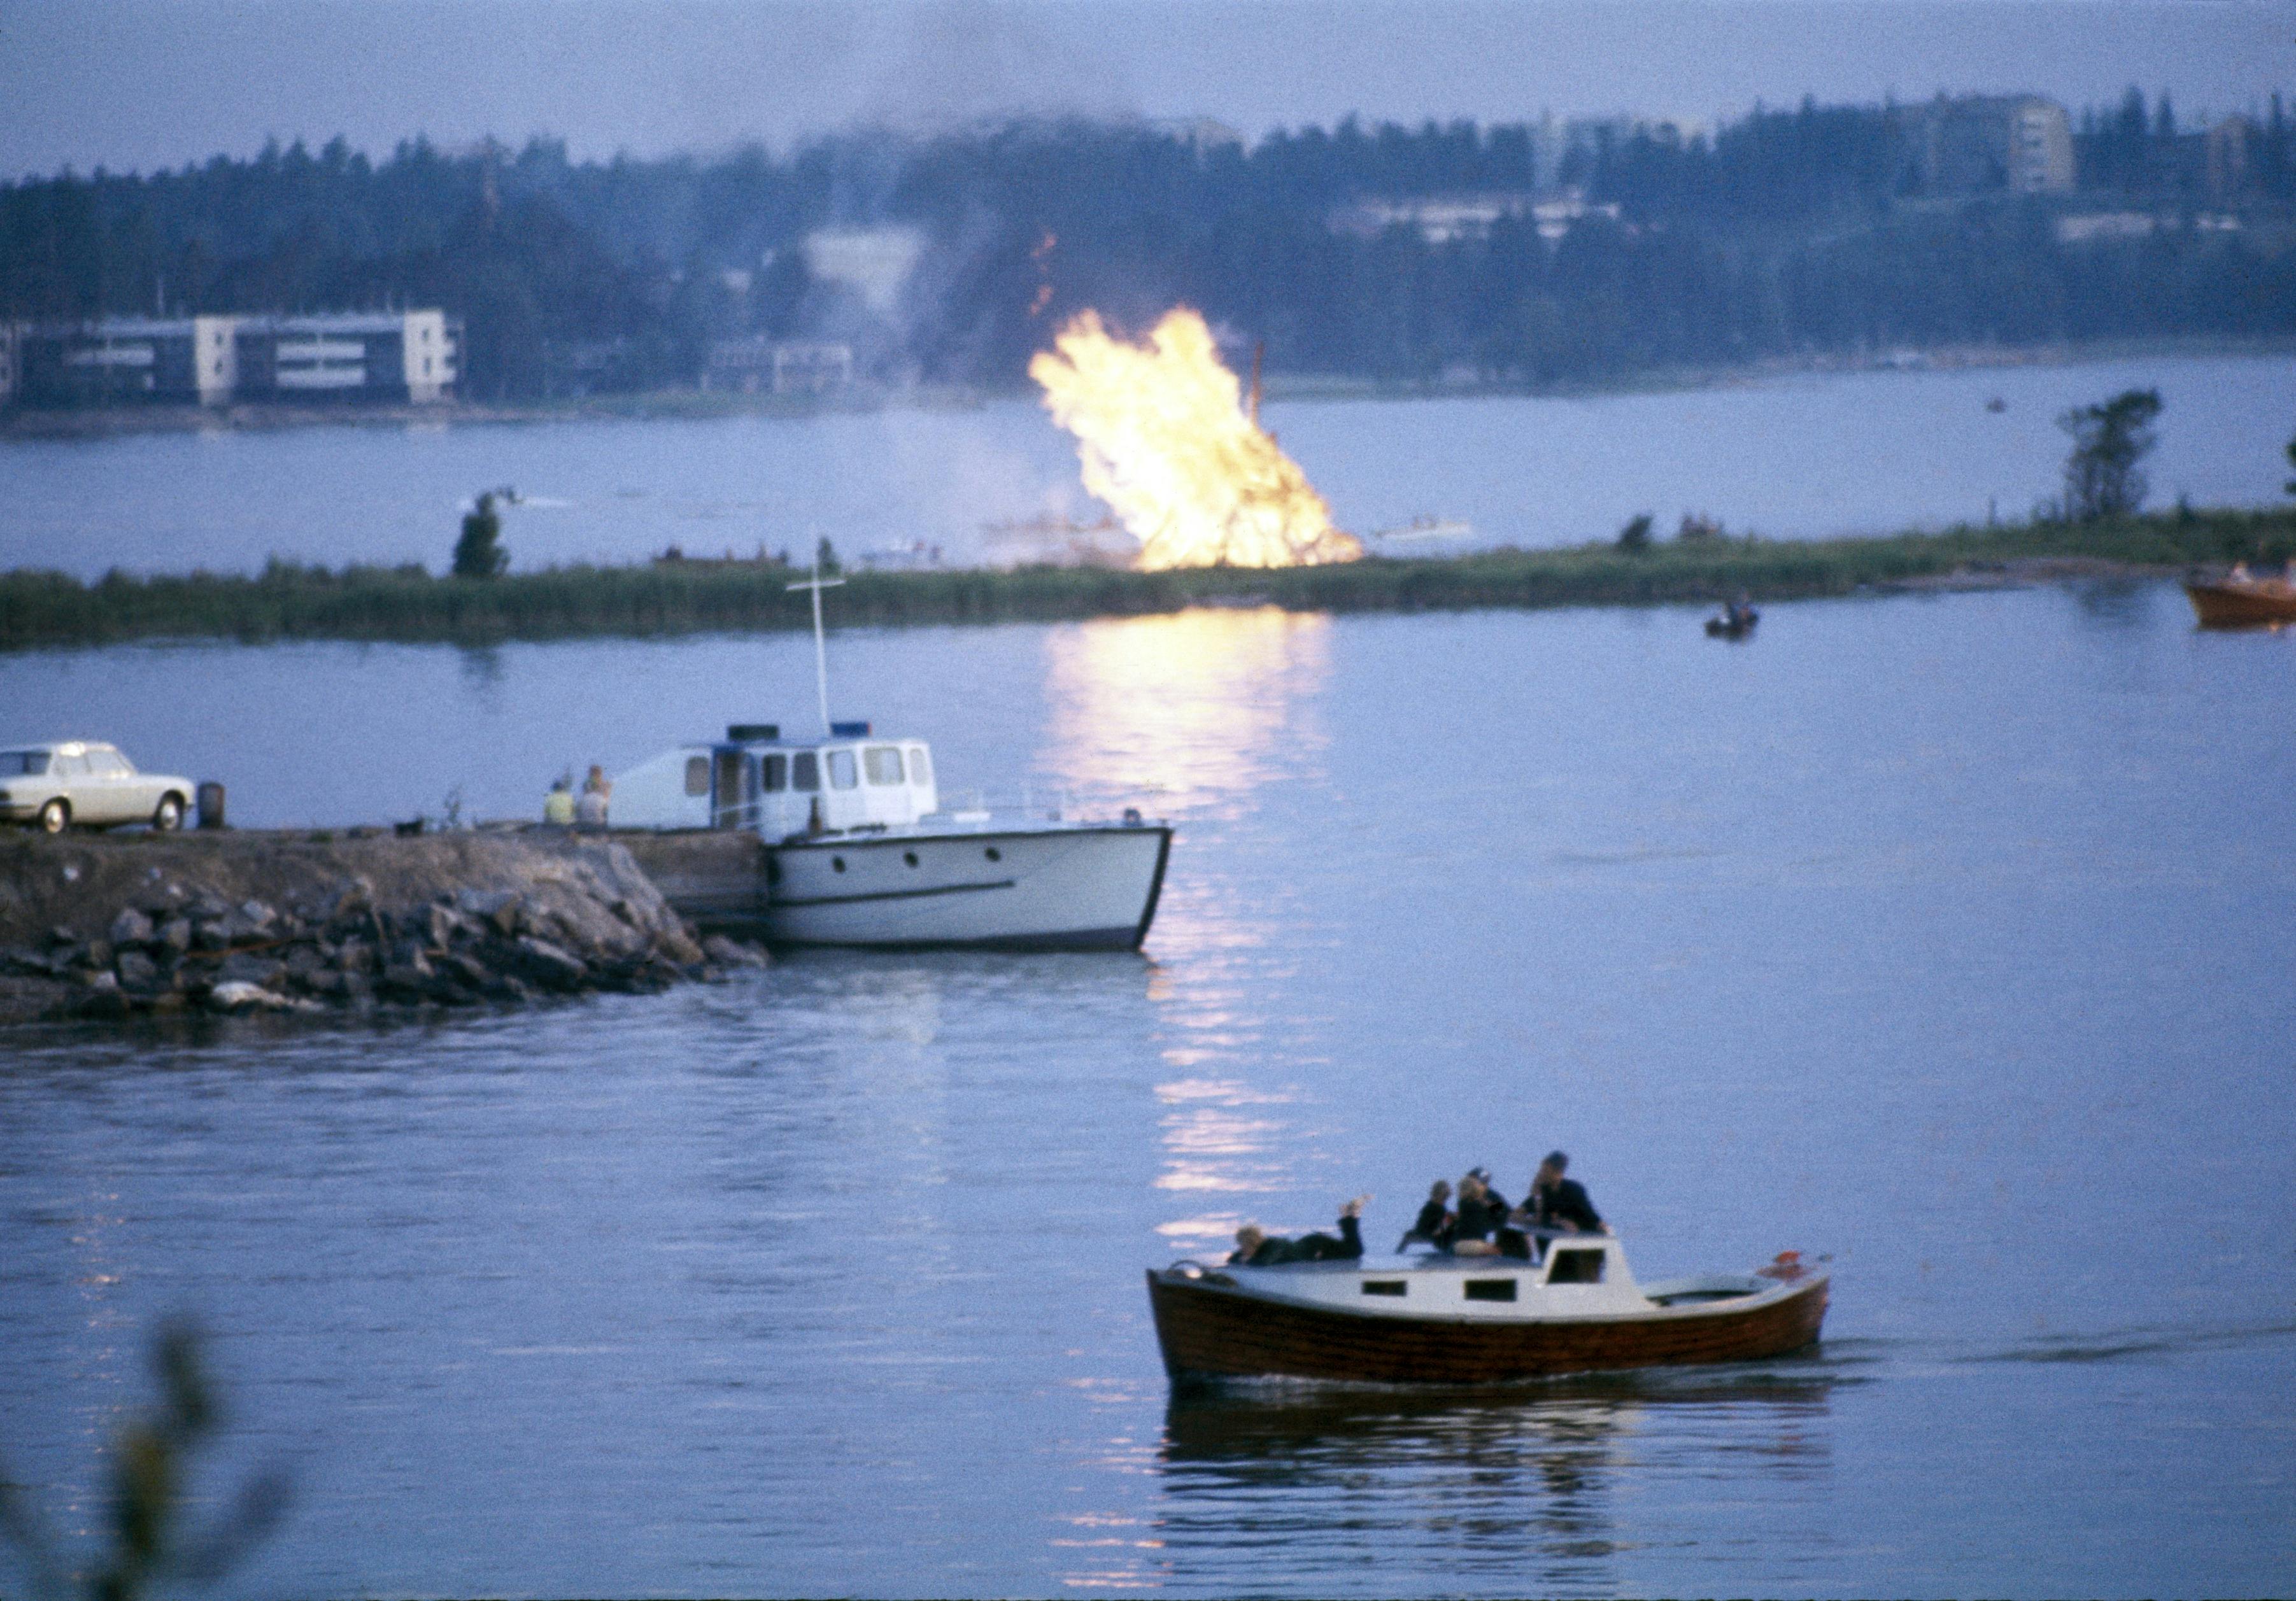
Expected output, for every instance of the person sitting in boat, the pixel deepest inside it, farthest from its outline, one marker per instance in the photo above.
(1482, 1210)
(1559, 1203)
(1434, 1227)
(1256, 1248)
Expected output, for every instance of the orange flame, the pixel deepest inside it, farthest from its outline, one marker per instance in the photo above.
(1162, 432)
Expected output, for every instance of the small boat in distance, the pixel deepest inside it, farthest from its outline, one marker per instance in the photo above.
(1733, 622)
(1442, 1319)
(2238, 600)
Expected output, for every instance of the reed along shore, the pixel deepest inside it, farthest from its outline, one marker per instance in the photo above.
(292, 601)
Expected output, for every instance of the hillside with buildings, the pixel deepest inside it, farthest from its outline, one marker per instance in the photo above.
(1529, 253)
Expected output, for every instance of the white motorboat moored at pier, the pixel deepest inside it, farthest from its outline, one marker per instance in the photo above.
(855, 847)
(858, 851)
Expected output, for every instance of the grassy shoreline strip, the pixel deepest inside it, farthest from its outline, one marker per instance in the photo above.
(407, 605)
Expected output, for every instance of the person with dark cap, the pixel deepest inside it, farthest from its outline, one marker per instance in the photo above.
(1257, 1248)
(1556, 1202)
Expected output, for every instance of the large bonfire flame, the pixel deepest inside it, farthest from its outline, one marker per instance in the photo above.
(1161, 431)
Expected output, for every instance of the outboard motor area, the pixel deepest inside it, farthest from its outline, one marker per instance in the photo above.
(854, 783)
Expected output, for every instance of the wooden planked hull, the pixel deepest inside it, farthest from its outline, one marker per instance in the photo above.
(2243, 605)
(1209, 1331)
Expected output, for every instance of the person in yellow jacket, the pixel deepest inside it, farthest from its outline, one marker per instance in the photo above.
(558, 806)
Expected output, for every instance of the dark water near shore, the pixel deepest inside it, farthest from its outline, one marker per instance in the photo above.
(1797, 457)
(1950, 936)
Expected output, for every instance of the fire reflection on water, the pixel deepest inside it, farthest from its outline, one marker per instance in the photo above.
(1217, 1142)
(1190, 712)
(1194, 716)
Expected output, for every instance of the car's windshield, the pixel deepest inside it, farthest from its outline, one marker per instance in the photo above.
(22, 764)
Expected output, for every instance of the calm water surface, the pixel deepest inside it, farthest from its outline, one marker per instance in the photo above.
(1786, 457)
(1949, 936)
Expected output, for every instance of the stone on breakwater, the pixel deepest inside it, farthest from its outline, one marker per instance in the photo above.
(112, 926)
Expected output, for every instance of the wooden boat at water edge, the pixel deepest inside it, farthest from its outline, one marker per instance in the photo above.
(1440, 1319)
(2243, 602)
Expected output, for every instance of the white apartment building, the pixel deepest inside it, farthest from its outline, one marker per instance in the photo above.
(379, 356)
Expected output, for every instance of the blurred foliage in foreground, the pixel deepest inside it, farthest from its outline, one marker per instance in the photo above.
(151, 1539)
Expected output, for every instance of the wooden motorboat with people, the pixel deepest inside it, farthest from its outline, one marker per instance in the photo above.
(1437, 1318)
(2238, 600)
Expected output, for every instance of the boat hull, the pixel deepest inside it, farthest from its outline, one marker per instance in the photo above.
(1211, 1331)
(2242, 606)
(1075, 888)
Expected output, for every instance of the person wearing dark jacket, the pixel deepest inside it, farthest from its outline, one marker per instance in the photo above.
(1433, 1226)
(1255, 1248)
(1559, 1203)
(1481, 1211)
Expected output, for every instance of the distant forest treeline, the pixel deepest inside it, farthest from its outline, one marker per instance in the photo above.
(1786, 232)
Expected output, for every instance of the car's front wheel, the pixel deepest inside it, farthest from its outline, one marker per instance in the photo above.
(169, 816)
(55, 817)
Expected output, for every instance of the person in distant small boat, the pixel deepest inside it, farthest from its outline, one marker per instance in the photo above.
(1559, 1203)
(1256, 1248)
(1434, 1225)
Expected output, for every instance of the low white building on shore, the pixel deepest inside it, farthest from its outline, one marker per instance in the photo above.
(406, 356)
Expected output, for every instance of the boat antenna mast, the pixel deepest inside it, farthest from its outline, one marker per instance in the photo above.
(817, 584)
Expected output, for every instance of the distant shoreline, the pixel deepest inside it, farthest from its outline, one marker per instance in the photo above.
(109, 422)
(407, 605)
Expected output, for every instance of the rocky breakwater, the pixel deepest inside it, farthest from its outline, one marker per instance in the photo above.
(113, 927)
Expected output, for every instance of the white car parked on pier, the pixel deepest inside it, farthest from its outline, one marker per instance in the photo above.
(87, 782)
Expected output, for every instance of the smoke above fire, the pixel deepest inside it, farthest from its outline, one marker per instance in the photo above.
(1164, 439)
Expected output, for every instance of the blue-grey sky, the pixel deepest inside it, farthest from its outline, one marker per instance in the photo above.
(137, 84)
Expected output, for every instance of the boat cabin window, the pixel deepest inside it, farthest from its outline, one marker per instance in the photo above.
(697, 775)
(1575, 1267)
(805, 770)
(841, 775)
(776, 777)
(882, 763)
(1491, 1289)
(1385, 1287)
(920, 767)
